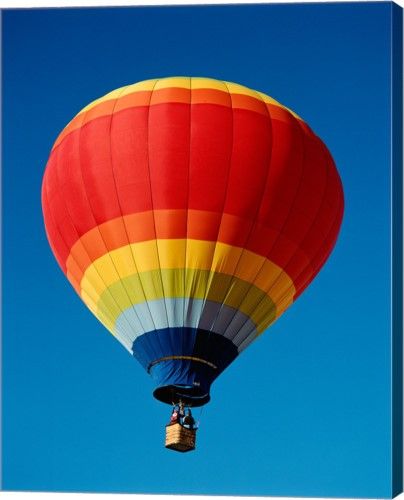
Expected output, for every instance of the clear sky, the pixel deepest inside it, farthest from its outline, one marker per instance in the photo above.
(305, 409)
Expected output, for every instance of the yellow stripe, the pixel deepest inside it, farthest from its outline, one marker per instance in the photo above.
(184, 82)
(169, 283)
(236, 88)
(145, 85)
(200, 255)
(113, 282)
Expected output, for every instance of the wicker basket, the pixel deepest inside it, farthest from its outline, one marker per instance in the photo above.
(180, 438)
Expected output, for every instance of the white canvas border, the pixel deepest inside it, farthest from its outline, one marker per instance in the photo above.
(13, 4)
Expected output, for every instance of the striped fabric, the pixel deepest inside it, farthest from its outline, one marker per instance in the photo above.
(188, 214)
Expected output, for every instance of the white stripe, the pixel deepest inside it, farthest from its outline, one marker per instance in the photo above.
(191, 313)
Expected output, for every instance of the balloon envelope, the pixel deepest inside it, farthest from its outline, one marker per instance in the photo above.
(189, 214)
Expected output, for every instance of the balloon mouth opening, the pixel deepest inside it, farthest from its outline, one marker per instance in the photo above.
(189, 395)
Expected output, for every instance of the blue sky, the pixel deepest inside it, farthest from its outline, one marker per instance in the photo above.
(306, 409)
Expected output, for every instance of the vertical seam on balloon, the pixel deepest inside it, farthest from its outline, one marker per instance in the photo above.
(336, 221)
(284, 222)
(306, 233)
(61, 260)
(325, 250)
(212, 274)
(122, 217)
(187, 209)
(150, 344)
(76, 231)
(127, 236)
(253, 225)
(50, 212)
(154, 218)
(323, 199)
(79, 137)
(74, 227)
(319, 263)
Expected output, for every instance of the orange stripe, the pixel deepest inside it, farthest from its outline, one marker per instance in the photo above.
(180, 95)
(169, 224)
(210, 96)
(135, 99)
(170, 94)
(251, 103)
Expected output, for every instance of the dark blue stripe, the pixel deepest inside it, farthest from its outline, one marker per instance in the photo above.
(195, 377)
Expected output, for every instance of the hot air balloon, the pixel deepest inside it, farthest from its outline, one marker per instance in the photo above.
(189, 214)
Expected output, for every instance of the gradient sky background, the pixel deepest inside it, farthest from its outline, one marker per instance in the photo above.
(306, 409)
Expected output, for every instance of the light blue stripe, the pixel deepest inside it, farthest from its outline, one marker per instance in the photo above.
(184, 312)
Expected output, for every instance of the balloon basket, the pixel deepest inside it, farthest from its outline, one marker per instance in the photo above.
(180, 438)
